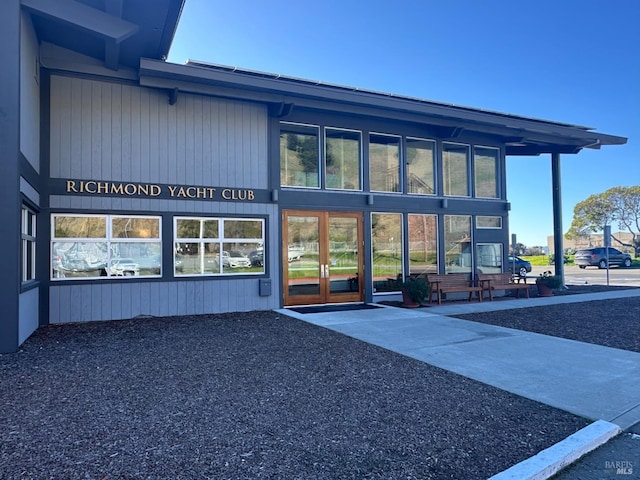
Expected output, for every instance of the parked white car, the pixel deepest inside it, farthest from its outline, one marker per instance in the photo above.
(294, 253)
(234, 259)
(124, 267)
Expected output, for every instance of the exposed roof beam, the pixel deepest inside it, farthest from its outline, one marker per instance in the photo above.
(78, 15)
(111, 48)
(111, 54)
(533, 150)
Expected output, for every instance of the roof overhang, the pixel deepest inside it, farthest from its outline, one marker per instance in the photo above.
(520, 135)
(118, 32)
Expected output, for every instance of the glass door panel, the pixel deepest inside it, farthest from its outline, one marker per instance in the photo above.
(344, 258)
(302, 256)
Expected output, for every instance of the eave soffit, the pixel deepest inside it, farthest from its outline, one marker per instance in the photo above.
(521, 135)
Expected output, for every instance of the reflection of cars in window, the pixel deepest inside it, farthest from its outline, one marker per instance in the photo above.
(178, 263)
(124, 267)
(256, 257)
(234, 259)
(212, 264)
(295, 252)
(75, 264)
(150, 265)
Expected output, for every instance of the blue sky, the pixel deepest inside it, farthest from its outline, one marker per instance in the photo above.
(574, 61)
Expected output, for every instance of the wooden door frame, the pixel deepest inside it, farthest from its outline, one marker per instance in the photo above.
(324, 295)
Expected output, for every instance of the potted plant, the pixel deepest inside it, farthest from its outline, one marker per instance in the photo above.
(547, 283)
(414, 291)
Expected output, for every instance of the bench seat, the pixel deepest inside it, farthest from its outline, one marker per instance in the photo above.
(451, 283)
(502, 281)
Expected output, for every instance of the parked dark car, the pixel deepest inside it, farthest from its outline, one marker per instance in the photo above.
(522, 267)
(257, 258)
(597, 257)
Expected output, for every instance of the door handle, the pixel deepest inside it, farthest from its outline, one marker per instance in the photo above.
(324, 271)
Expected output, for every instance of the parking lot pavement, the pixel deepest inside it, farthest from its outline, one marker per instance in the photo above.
(617, 459)
(575, 275)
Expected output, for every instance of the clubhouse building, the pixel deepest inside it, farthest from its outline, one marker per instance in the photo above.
(132, 186)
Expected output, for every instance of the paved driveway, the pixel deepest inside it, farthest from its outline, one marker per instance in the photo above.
(574, 275)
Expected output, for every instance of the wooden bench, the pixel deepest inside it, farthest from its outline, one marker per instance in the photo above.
(451, 283)
(501, 281)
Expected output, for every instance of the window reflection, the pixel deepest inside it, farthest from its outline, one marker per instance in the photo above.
(455, 161)
(218, 246)
(420, 166)
(423, 244)
(105, 246)
(457, 243)
(489, 257)
(485, 161)
(342, 159)
(384, 163)
(386, 242)
(299, 157)
(28, 241)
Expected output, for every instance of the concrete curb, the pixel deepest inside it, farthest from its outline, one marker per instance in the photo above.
(551, 460)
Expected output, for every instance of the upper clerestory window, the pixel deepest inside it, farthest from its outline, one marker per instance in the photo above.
(299, 156)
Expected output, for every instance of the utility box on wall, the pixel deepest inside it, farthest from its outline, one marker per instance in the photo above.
(265, 287)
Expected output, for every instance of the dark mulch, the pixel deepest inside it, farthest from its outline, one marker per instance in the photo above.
(254, 395)
(612, 323)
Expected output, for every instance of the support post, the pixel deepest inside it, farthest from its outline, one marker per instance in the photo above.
(10, 179)
(558, 244)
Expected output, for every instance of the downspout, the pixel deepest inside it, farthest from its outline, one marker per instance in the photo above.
(558, 247)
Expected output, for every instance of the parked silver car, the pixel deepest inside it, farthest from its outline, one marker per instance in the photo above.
(597, 257)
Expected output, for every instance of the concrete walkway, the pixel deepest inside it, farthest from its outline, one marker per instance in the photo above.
(596, 382)
(592, 381)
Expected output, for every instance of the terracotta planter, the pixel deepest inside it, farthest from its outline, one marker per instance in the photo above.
(544, 290)
(407, 301)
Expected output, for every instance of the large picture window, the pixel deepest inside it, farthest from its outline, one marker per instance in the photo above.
(420, 166)
(455, 162)
(105, 246)
(299, 156)
(343, 159)
(485, 165)
(28, 244)
(386, 242)
(384, 163)
(218, 246)
(457, 243)
(423, 244)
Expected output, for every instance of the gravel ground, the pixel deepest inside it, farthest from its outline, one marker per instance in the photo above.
(251, 396)
(612, 323)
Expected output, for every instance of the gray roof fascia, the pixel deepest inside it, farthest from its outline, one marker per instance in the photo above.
(569, 137)
(170, 26)
(83, 17)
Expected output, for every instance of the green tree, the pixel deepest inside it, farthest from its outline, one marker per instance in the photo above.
(619, 205)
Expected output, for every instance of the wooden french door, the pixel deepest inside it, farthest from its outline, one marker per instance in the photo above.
(322, 257)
